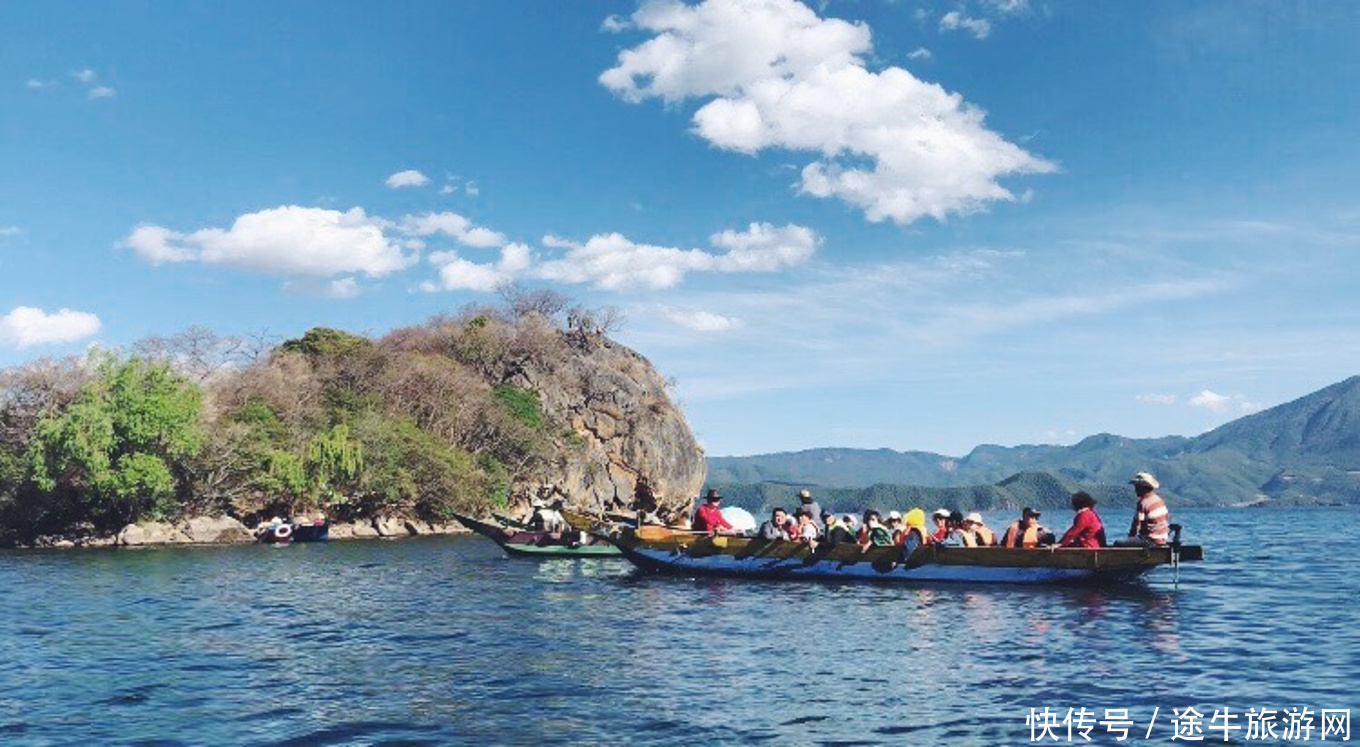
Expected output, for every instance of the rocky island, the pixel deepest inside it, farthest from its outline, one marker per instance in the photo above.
(197, 437)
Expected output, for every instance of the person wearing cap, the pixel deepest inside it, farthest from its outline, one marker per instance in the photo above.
(896, 526)
(813, 508)
(976, 531)
(941, 517)
(1151, 519)
(1087, 529)
(1026, 531)
(774, 528)
(709, 518)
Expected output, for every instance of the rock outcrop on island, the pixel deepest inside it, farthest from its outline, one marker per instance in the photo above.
(193, 438)
(623, 429)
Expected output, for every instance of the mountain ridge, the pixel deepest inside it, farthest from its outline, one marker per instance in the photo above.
(1306, 450)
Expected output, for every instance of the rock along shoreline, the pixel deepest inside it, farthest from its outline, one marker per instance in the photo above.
(225, 530)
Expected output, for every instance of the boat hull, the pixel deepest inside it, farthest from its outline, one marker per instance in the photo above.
(697, 555)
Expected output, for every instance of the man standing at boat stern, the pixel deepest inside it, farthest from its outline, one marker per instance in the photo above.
(1151, 519)
(814, 509)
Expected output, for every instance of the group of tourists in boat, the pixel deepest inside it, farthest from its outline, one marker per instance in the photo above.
(812, 525)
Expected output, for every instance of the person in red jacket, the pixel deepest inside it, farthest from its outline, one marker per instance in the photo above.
(709, 518)
(1087, 529)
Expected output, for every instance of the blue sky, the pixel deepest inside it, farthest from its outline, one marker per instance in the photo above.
(914, 225)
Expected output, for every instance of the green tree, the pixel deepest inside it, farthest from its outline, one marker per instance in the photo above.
(114, 447)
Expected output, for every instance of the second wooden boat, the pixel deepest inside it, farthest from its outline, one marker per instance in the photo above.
(524, 543)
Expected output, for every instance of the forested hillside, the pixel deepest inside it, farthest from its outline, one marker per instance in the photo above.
(1305, 451)
(463, 412)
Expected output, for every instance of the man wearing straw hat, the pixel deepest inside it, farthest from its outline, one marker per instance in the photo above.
(1151, 520)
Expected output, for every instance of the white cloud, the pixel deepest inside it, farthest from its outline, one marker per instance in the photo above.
(1211, 401)
(764, 248)
(456, 273)
(37, 85)
(472, 189)
(288, 240)
(980, 27)
(85, 77)
(612, 261)
(447, 189)
(701, 321)
(102, 92)
(6, 231)
(339, 288)
(1157, 399)
(343, 288)
(454, 226)
(615, 24)
(1222, 403)
(1009, 7)
(920, 53)
(408, 178)
(778, 76)
(26, 326)
(154, 244)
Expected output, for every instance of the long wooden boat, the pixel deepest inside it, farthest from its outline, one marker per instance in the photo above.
(523, 543)
(662, 550)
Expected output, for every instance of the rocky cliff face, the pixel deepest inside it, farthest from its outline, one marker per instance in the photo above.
(622, 428)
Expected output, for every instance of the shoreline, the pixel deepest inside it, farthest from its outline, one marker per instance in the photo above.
(225, 530)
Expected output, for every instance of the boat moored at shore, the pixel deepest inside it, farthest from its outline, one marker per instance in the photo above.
(280, 532)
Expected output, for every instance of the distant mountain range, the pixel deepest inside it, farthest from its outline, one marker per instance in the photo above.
(1302, 452)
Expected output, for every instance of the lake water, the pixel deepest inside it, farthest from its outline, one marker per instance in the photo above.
(446, 641)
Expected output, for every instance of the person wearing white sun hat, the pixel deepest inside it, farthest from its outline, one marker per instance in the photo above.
(1151, 519)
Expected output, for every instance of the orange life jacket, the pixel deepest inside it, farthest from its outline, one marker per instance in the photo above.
(920, 532)
(1018, 535)
(985, 536)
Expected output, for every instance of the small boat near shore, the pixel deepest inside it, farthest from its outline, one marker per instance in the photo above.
(662, 550)
(279, 532)
(573, 543)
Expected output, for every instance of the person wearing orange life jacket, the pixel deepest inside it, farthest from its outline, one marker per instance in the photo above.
(1151, 519)
(976, 533)
(1026, 531)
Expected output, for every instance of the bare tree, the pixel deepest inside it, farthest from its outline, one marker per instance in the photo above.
(523, 302)
(200, 353)
(35, 388)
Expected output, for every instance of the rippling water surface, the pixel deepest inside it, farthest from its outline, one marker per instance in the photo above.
(445, 640)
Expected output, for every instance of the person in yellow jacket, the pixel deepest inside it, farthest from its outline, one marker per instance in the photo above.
(915, 533)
